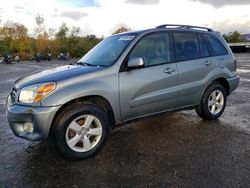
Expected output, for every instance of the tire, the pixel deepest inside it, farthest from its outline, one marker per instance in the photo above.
(213, 102)
(80, 131)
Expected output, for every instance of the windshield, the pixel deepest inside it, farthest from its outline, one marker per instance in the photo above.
(107, 51)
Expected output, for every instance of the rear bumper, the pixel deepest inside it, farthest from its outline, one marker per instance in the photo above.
(40, 117)
(233, 83)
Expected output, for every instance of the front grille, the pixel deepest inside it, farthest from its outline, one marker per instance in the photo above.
(13, 95)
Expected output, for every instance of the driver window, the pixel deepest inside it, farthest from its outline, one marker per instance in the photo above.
(154, 49)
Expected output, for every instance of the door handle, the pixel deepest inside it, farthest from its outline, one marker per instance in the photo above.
(169, 70)
(208, 63)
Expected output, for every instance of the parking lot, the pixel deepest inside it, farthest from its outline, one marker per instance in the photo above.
(171, 150)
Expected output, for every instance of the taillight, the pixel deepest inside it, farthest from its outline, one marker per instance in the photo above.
(235, 63)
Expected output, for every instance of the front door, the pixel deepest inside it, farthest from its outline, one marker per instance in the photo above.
(152, 88)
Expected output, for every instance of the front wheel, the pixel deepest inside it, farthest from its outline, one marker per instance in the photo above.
(213, 102)
(80, 131)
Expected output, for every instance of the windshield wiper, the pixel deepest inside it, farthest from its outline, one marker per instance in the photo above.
(88, 64)
(85, 64)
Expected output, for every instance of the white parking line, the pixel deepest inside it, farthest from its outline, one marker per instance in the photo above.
(243, 70)
(244, 80)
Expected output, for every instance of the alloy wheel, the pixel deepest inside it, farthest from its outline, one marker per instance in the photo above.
(83, 133)
(215, 102)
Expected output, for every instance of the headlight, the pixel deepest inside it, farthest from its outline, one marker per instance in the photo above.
(35, 93)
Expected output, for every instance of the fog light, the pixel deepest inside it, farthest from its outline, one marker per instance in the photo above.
(28, 127)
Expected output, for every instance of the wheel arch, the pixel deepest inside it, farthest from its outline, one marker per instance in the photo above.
(221, 80)
(201, 108)
(92, 99)
(224, 83)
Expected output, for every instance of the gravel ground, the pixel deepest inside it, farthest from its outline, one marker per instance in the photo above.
(170, 150)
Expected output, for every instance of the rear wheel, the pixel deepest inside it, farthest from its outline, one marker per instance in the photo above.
(80, 131)
(213, 102)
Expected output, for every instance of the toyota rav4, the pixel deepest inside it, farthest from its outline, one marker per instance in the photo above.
(125, 77)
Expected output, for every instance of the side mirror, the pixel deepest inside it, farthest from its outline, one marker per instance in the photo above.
(135, 62)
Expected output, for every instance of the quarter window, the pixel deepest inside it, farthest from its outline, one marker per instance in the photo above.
(203, 47)
(154, 49)
(186, 46)
(216, 45)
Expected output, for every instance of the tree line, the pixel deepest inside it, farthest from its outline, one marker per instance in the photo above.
(15, 40)
(232, 37)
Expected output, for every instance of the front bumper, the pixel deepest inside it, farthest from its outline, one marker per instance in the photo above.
(233, 83)
(40, 117)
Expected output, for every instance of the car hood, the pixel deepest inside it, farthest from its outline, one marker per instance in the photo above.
(54, 74)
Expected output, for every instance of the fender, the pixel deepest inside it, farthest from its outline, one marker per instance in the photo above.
(106, 87)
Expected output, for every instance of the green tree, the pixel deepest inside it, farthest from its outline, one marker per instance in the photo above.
(6, 37)
(225, 36)
(232, 37)
(73, 42)
(61, 38)
(62, 32)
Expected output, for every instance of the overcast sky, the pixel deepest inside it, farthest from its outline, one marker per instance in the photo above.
(101, 17)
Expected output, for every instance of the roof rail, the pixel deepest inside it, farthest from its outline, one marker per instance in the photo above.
(184, 27)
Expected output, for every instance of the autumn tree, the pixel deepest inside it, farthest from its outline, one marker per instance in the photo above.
(15, 40)
(21, 41)
(41, 35)
(42, 43)
(121, 30)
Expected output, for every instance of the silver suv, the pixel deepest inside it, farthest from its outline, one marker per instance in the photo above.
(125, 77)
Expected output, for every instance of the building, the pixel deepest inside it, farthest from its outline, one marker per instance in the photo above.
(245, 37)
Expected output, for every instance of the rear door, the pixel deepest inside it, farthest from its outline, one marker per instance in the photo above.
(152, 88)
(194, 63)
(219, 54)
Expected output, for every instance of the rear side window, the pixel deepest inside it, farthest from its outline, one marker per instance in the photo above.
(186, 46)
(216, 46)
(203, 47)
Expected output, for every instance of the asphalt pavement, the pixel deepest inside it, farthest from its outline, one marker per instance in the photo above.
(171, 150)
